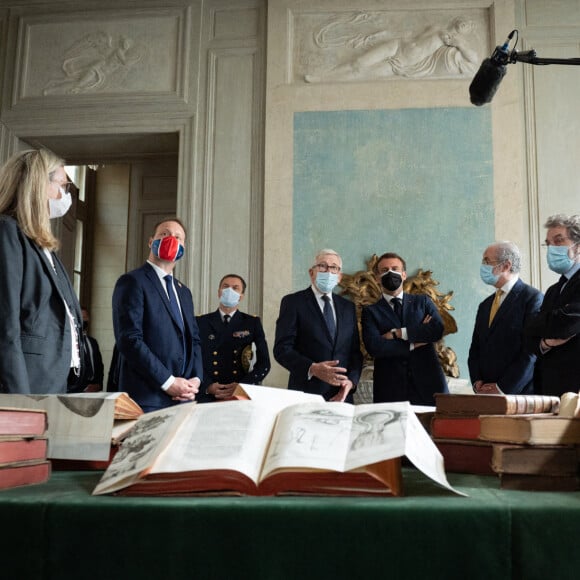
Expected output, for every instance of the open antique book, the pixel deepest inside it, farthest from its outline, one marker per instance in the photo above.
(81, 426)
(254, 447)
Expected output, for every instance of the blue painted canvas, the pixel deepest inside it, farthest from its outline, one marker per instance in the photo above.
(418, 182)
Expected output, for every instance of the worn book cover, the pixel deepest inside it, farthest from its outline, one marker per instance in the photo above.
(536, 459)
(24, 473)
(533, 429)
(251, 447)
(477, 404)
(464, 456)
(13, 448)
(15, 420)
(445, 427)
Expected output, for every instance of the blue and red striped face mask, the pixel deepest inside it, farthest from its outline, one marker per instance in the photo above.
(168, 249)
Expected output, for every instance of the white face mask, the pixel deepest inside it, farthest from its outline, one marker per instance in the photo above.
(230, 297)
(58, 207)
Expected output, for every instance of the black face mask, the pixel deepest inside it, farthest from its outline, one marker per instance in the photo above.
(391, 280)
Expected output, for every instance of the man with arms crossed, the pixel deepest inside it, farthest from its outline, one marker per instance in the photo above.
(399, 332)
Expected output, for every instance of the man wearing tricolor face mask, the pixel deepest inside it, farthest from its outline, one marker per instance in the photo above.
(230, 341)
(399, 332)
(317, 336)
(156, 333)
(555, 331)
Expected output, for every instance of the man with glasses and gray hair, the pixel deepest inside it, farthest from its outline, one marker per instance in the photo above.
(317, 337)
(499, 361)
(555, 331)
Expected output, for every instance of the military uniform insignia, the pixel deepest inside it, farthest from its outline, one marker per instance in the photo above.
(241, 333)
(211, 337)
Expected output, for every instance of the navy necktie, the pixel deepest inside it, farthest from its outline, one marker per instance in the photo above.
(328, 315)
(398, 308)
(227, 319)
(173, 300)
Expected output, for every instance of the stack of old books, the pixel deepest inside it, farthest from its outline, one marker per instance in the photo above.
(23, 447)
(457, 423)
(84, 429)
(536, 451)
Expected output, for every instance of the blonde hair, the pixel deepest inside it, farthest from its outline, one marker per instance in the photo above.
(24, 179)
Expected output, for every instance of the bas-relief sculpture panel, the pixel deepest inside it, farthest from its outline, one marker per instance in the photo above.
(355, 46)
(118, 55)
(417, 181)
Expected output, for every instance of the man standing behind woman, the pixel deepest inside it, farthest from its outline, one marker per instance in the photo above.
(40, 316)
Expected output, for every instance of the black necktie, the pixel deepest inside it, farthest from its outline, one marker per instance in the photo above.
(227, 318)
(173, 300)
(328, 315)
(398, 308)
(559, 287)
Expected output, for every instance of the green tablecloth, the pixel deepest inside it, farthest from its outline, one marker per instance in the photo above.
(58, 531)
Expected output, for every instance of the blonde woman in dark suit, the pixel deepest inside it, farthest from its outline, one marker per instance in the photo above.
(40, 318)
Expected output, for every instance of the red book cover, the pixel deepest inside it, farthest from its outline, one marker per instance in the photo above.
(455, 427)
(25, 473)
(14, 449)
(464, 456)
(14, 421)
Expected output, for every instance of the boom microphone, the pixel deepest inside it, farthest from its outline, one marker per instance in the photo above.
(490, 73)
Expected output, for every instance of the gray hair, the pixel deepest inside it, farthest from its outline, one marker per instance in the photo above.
(327, 252)
(571, 223)
(509, 251)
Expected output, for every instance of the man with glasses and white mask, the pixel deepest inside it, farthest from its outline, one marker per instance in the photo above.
(555, 330)
(317, 336)
(499, 361)
(230, 341)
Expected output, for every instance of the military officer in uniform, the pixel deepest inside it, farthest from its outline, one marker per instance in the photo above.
(233, 344)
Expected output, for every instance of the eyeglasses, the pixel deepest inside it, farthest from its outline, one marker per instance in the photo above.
(65, 186)
(557, 241)
(326, 268)
(487, 262)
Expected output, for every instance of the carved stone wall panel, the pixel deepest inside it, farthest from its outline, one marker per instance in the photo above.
(235, 24)
(359, 45)
(121, 56)
(229, 198)
(543, 14)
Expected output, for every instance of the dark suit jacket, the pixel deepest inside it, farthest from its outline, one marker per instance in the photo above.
(498, 353)
(401, 374)
(35, 334)
(223, 345)
(302, 338)
(149, 340)
(559, 317)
